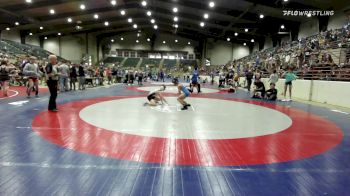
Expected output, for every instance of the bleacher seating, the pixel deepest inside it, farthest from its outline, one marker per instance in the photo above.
(115, 60)
(131, 62)
(150, 62)
(169, 63)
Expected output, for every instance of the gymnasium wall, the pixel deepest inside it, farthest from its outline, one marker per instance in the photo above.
(72, 47)
(12, 35)
(309, 27)
(129, 42)
(221, 52)
(33, 40)
(268, 43)
(338, 20)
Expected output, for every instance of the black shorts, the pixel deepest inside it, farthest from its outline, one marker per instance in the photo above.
(289, 83)
(151, 96)
(194, 82)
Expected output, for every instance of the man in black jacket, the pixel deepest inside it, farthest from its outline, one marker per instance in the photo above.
(249, 77)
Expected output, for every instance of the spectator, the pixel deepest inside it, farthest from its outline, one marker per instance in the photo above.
(274, 77)
(290, 77)
(259, 91)
(31, 70)
(64, 71)
(81, 77)
(73, 77)
(271, 94)
(249, 77)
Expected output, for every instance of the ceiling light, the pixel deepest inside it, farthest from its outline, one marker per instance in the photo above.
(202, 24)
(30, 33)
(252, 40)
(149, 13)
(135, 26)
(148, 39)
(82, 7)
(155, 26)
(8, 28)
(69, 20)
(41, 28)
(144, 3)
(138, 35)
(122, 38)
(176, 19)
(153, 21)
(228, 39)
(246, 30)
(175, 9)
(122, 12)
(96, 16)
(45, 37)
(112, 40)
(285, 0)
(28, 1)
(211, 4)
(309, 15)
(16, 23)
(189, 43)
(164, 42)
(282, 27)
(59, 34)
(176, 41)
(106, 23)
(129, 20)
(244, 44)
(176, 25)
(137, 41)
(206, 16)
(261, 16)
(52, 11)
(236, 34)
(114, 2)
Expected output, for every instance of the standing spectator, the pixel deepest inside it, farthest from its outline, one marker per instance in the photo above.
(195, 82)
(31, 70)
(5, 70)
(274, 77)
(52, 81)
(289, 76)
(81, 77)
(109, 75)
(139, 78)
(64, 71)
(73, 77)
(249, 77)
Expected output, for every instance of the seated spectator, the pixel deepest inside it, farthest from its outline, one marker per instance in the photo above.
(271, 94)
(259, 91)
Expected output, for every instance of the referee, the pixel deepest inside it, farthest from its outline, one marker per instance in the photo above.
(52, 81)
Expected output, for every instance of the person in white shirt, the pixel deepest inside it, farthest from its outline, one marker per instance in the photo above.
(64, 74)
(31, 70)
(154, 97)
(274, 77)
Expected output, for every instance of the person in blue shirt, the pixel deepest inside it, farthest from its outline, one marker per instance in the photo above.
(194, 80)
(184, 93)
